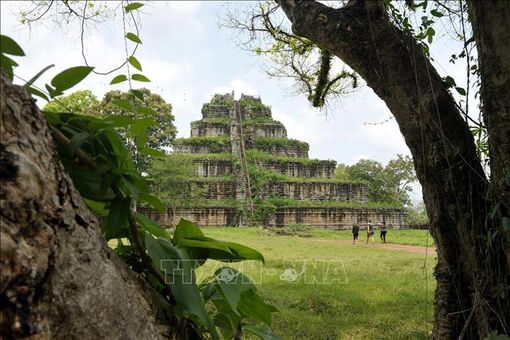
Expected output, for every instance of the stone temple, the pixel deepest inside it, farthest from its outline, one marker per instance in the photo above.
(249, 172)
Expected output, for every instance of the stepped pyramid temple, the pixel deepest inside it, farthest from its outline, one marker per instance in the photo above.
(249, 172)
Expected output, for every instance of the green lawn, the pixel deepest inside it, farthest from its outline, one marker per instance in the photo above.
(378, 293)
(404, 236)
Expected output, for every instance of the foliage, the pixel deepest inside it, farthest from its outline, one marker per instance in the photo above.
(224, 122)
(216, 144)
(82, 102)
(293, 203)
(264, 142)
(222, 99)
(253, 121)
(208, 156)
(263, 212)
(168, 177)
(253, 155)
(138, 103)
(309, 66)
(255, 105)
(417, 214)
(145, 102)
(385, 184)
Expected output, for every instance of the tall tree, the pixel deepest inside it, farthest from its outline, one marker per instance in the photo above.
(469, 226)
(82, 102)
(390, 183)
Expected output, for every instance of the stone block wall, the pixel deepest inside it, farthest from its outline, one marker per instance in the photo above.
(216, 111)
(214, 190)
(334, 218)
(204, 217)
(273, 130)
(213, 167)
(339, 218)
(317, 191)
(201, 129)
(283, 150)
(188, 148)
(321, 169)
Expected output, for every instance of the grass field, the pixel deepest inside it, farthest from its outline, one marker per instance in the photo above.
(404, 236)
(375, 294)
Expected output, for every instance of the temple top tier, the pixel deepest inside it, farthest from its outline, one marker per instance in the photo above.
(221, 106)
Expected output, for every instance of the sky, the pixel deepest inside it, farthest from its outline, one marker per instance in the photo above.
(189, 57)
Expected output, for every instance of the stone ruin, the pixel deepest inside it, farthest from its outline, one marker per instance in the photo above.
(249, 172)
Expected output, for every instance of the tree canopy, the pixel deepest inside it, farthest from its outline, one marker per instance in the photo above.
(390, 183)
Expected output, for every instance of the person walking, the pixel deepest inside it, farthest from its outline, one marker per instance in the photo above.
(355, 233)
(370, 231)
(384, 230)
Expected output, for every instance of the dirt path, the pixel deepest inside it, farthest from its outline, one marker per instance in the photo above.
(390, 246)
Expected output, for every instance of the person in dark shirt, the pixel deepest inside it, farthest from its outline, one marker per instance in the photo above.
(384, 230)
(355, 233)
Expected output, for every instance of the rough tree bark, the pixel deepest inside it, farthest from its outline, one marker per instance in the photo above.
(491, 24)
(471, 274)
(58, 279)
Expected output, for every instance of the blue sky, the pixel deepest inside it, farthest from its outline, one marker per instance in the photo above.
(189, 57)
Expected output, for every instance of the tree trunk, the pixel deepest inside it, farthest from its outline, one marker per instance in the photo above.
(58, 279)
(454, 185)
(491, 24)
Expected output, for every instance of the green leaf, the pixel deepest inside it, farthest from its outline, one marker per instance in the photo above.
(127, 187)
(34, 78)
(132, 6)
(461, 91)
(77, 141)
(436, 13)
(136, 64)
(186, 229)
(99, 208)
(231, 284)
(90, 184)
(430, 34)
(449, 82)
(133, 37)
(252, 305)
(116, 223)
(150, 226)
(50, 90)
(145, 110)
(262, 331)
(139, 131)
(70, 77)
(7, 64)
(123, 104)
(138, 94)
(9, 46)
(220, 250)
(152, 152)
(179, 273)
(37, 93)
(118, 79)
(226, 325)
(189, 236)
(140, 77)
(154, 201)
(118, 120)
